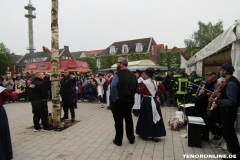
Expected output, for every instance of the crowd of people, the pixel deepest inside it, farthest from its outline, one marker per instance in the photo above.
(125, 93)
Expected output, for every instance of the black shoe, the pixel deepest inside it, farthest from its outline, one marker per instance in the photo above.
(116, 143)
(204, 138)
(155, 139)
(63, 118)
(73, 119)
(109, 107)
(131, 142)
(75, 107)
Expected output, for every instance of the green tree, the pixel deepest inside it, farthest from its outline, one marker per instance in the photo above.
(5, 59)
(172, 60)
(202, 37)
(137, 56)
(91, 62)
(107, 61)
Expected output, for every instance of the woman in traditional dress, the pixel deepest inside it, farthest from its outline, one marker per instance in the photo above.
(150, 121)
(138, 97)
(5, 139)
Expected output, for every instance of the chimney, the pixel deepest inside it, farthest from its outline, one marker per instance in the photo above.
(66, 48)
(166, 48)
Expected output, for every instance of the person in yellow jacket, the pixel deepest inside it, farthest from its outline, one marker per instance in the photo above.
(180, 87)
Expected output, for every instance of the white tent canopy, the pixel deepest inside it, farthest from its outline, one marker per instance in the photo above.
(223, 40)
(138, 63)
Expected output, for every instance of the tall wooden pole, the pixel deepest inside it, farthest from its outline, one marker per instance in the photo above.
(55, 64)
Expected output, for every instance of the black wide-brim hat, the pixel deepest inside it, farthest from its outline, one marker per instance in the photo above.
(100, 74)
(110, 71)
(138, 71)
(150, 71)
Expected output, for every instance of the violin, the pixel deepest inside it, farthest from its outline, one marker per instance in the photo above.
(215, 94)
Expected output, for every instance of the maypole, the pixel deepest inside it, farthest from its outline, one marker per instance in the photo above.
(55, 65)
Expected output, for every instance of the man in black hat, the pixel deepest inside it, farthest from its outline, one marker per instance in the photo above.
(202, 102)
(123, 88)
(227, 103)
(99, 86)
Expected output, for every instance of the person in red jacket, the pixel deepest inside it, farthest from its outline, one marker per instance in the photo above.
(150, 121)
(5, 137)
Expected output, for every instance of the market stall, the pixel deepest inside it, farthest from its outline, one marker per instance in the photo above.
(71, 65)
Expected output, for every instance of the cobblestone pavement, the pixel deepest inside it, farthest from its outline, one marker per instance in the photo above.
(92, 137)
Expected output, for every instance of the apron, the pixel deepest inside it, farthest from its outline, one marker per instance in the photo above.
(108, 93)
(152, 90)
(100, 86)
(137, 103)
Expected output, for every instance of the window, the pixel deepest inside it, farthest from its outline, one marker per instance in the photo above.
(152, 49)
(66, 57)
(18, 70)
(125, 48)
(112, 50)
(69, 58)
(139, 47)
(22, 69)
(63, 57)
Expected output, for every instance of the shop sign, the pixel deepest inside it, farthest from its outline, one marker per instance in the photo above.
(32, 66)
(84, 65)
(42, 67)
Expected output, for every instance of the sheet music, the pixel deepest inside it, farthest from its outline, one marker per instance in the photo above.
(196, 120)
(188, 105)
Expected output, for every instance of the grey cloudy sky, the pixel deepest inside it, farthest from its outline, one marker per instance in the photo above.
(96, 24)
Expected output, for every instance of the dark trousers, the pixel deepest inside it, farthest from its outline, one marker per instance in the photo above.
(228, 118)
(40, 111)
(90, 95)
(123, 109)
(210, 121)
(85, 95)
(100, 98)
(79, 96)
(67, 103)
(169, 95)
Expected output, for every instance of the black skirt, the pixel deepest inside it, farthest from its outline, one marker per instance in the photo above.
(145, 126)
(5, 139)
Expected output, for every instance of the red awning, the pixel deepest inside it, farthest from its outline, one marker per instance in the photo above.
(71, 65)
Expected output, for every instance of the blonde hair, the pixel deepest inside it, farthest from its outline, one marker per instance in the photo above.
(154, 83)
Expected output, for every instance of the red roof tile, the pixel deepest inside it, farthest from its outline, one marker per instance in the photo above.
(160, 47)
(93, 52)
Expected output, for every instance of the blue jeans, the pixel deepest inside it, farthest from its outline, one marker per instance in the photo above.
(169, 95)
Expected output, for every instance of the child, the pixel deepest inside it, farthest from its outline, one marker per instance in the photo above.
(79, 84)
(85, 90)
(90, 90)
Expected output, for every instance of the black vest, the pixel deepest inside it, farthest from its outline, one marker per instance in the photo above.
(127, 84)
(223, 93)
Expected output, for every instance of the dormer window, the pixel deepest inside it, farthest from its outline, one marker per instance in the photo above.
(112, 50)
(139, 47)
(125, 48)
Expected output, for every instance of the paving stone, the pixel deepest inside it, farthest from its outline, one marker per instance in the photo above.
(92, 137)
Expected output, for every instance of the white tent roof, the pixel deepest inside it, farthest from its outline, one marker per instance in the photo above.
(138, 63)
(217, 44)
